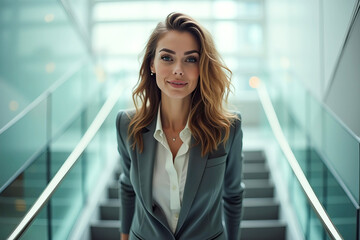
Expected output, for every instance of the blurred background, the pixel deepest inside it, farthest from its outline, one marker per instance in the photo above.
(62, 60)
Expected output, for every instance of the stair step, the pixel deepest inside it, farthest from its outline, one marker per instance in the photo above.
(254, 156)
(263, 230)
(260, 209)
(255, 167)
(256, 175)
(253, 209)
(254, 188)
(105, 230)
(251, 183)
(251, 165)
(250, 230)
(259, 192)
(255, 171)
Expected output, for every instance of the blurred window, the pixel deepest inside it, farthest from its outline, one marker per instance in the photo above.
(120, 30)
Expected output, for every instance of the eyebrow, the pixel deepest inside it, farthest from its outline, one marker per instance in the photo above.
(173, 52)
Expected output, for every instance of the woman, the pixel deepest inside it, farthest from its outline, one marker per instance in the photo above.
(181, 151)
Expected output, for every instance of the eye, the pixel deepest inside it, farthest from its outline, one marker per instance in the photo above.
(191, 59)
(166, 58)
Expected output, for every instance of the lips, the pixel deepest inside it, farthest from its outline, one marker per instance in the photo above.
(177, 84)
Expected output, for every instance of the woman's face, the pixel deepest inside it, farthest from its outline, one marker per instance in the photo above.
(176, 65)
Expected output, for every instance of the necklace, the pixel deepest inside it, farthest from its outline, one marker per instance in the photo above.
(172, 138)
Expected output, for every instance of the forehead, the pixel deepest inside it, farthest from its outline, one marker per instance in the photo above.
(178, 42)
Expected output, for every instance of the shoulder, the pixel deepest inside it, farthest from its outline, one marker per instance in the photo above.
(123, 119)
(236, 119)
(236, 133)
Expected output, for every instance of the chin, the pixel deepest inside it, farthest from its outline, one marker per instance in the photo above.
(178, 96)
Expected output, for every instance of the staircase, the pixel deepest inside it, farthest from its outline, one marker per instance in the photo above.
(260, 212)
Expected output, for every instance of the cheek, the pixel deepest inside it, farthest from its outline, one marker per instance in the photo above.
(195, 75)
(195, 71)
(162, 71)
(159, 82)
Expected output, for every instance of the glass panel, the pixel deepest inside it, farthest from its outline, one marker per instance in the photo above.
(300, 204)
(298, 143)
(64, 144)
(298, 104)
(344, 159)
(316, 175)
(22, 141)
(38, 45)
(94, 160)
(38, 229)
(340, 209)
(66, 103)
(66, 203)
(316, 229)
(315, 128)
(17, 198)
(322, 147)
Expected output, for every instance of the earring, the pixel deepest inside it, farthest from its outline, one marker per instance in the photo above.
(152, 74)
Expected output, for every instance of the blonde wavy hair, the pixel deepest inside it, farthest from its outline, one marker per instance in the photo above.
(209, 121)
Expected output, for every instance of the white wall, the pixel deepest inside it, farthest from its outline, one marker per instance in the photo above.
(306, 37)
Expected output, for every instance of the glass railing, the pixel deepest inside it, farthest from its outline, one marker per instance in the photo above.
(325, 150)
(50, 91)
(38, 44)
(75, 161)
(37, 145)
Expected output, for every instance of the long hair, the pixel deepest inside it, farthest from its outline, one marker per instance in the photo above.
(209, 121)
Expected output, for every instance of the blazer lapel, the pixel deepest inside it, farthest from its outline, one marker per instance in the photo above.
(146, 161)
(146, 165)
(195, 172)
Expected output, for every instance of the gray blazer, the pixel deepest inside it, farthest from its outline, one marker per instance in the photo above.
(211, 178)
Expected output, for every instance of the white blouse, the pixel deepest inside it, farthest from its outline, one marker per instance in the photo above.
(170, 177)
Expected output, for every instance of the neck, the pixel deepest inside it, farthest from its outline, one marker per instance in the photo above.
(174, 114)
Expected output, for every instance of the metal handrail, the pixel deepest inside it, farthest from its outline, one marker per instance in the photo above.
(69, 162)
(285, 147)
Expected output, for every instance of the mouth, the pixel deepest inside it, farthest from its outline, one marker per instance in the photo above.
(177, 84)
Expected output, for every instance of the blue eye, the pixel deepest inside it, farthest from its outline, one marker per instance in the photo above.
(191, 60)
(166, 58)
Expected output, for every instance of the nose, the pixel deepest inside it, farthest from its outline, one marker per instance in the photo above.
(178, 70)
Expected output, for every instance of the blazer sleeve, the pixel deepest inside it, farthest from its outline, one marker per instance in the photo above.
(233, 187)
(127, 194)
